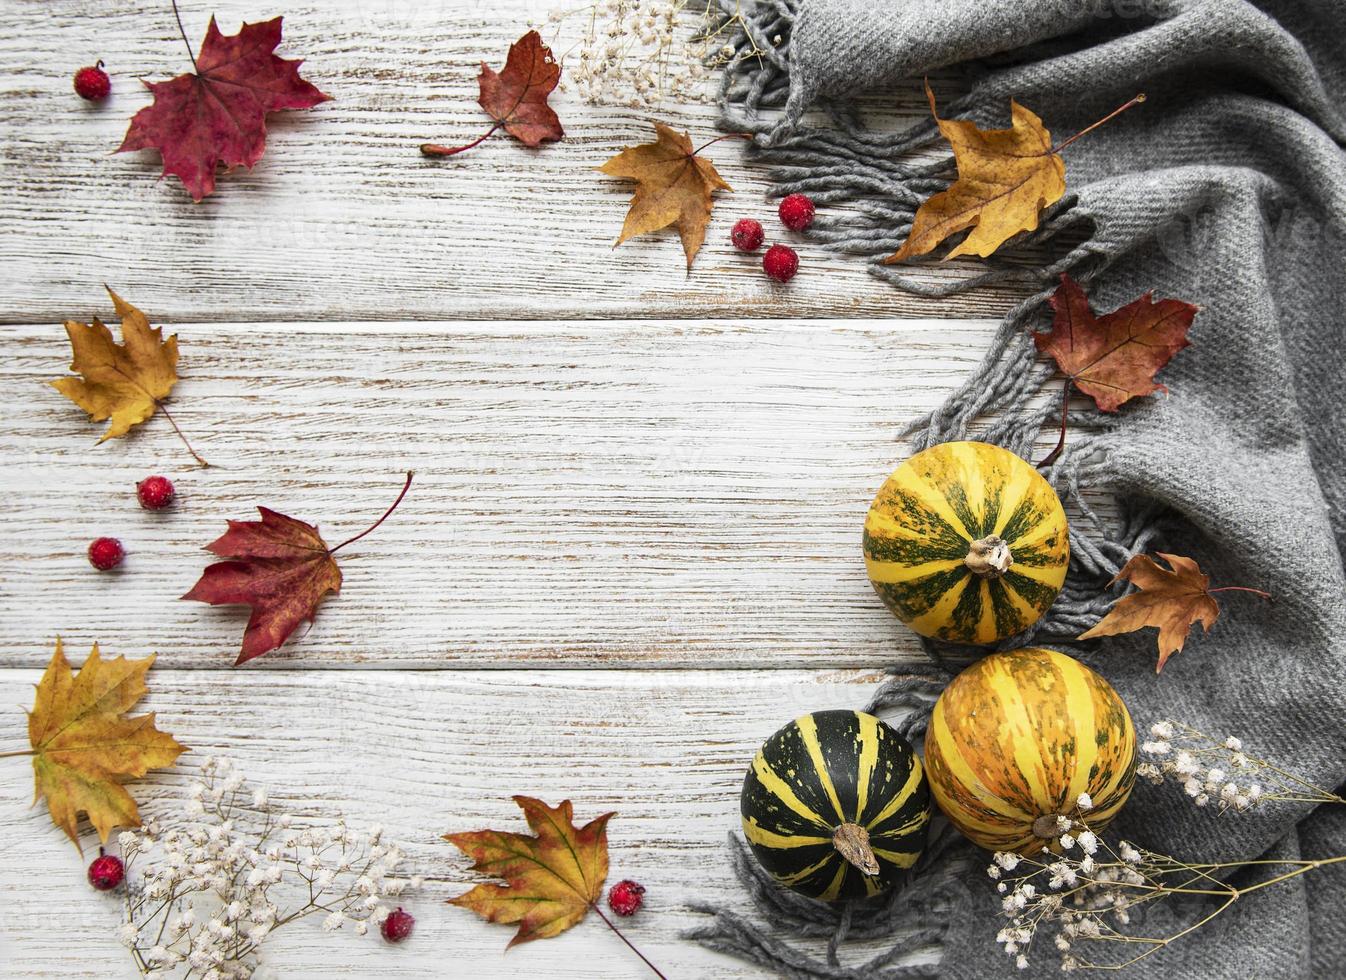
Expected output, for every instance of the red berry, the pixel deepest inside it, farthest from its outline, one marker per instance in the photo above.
(747, 235)
(796, 212)
(92, 83)
(397, 926)
(781, 263)
(106, 872)
(155, 492)
(106, 554)
(626, 897)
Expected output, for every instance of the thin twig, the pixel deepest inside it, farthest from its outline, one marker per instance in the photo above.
(405, 487)
(628, 942)
(183, 32)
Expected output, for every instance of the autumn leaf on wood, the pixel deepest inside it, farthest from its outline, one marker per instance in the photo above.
(123, 383)
(85, 746)
(673, 187)
(279, 566)
(1113, 358)
(551, 880)
(516, 98)
(1171, 599)
(1005, 178)
(217, 114)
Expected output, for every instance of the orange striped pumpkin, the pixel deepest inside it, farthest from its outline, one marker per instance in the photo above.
(1017, 737)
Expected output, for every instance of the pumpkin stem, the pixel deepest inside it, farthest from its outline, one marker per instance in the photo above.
(852, 842)
(989, 557)
(1050, 826)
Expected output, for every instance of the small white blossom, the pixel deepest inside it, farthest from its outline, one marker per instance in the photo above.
(1233, 744)
(1088, 842)
(1162, 730)
(333, 922)
(1085, 802)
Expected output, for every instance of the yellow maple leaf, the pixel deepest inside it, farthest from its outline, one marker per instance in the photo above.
(124, 383)
(1005, 178)
(674, 187)
(551, 880)
(85, 746)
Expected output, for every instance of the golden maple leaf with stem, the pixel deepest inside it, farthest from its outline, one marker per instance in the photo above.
(551, 880)
(84, 745)
(1173, 599)
(124, 383)
(674, 186)
(1005, 178)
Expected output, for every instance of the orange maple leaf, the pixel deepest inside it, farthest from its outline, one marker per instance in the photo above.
(1172, 599)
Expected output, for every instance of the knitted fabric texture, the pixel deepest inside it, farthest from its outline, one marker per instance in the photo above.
(1225, 189)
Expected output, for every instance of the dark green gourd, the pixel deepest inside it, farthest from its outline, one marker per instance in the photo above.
(835, 805)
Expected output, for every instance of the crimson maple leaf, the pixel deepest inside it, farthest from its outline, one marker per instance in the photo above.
(1113, 358)
(217, 115)
(516, 98)
(279, 566)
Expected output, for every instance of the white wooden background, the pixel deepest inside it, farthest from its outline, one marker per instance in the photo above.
(632, 548)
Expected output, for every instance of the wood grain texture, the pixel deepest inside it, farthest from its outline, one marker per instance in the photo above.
(587, 494)
(424, 753)
(343, 219)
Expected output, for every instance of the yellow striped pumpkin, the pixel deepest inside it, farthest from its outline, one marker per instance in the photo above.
(967, 543)
(1017, 737)
(835, 805)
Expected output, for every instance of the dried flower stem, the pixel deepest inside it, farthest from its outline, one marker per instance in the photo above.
(622, 937)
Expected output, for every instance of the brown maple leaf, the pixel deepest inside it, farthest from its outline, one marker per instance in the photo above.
(516, 98)
(85, 746)
(124, 383)
(1113, 358)
(674, 187)
(1172, 599)
(551, 880)
(217, 114)
(1005, 178)
(279, 566)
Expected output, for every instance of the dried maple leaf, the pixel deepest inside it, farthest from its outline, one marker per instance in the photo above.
(1005, 178)
(85, 745)
(217, 115)
(1172, 599)
(279, 566)
(516, 98)
(551, 880)
(1113, 358)
(673, 187)
(124, 383)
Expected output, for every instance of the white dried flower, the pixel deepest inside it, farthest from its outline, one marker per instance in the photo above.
(1233, 744)
(333, 922)
(1085, 802)
(1162, 730)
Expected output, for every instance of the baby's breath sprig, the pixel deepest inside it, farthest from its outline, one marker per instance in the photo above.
(1219, 771)
(640, 53)
(209, 892)
(1084, 897)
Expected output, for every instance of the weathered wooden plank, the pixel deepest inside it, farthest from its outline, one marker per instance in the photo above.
(343, 219)
(424, 753)
(587, 494)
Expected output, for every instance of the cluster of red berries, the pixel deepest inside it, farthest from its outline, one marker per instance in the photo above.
(154, 493)
(780, 262)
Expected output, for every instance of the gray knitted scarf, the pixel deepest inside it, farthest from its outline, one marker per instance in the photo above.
(1225, 189)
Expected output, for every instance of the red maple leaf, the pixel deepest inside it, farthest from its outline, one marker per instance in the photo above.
(516, 98)
(279, 566)
(217, 115)
(1113, 358)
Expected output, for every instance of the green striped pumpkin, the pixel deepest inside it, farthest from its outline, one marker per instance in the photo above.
(967, 543)
(835, 805)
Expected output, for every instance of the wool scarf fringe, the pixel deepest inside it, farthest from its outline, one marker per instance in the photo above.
(845, 164)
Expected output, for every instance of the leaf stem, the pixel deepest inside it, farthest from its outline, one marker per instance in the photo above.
(628, 942)
(405, 487)
(1136, 99)
(1241, 588)
(173, 422)
(726, 136)
(190, 53)
(436, 150)
(1051, 457)
(15, 755)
